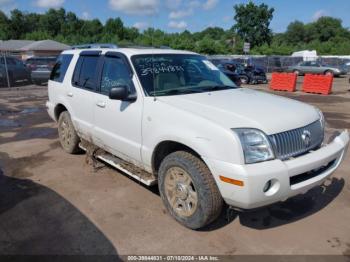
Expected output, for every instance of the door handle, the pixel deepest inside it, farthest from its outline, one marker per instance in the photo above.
(101, 104)
(70, 94)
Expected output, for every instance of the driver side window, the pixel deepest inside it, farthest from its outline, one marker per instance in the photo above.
(115, 73)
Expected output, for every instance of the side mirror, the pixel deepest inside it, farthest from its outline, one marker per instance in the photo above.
(118, 93)
(121, 93)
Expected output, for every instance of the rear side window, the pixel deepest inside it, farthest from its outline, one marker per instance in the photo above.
(85, 72)
(60, 68)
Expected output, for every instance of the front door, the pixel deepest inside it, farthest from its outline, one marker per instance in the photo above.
(117, 124)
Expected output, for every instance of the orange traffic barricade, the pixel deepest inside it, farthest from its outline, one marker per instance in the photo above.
(318, 84)
(283, 82)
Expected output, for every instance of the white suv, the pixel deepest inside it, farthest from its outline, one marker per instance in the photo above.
(171, 117)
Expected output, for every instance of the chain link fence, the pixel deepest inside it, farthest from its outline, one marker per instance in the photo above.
(4, 71)
(281, 63)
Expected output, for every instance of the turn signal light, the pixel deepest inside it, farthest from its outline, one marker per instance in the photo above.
(231, 181)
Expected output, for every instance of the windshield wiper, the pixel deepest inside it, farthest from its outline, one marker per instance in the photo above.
(217, 87)
(176, 92)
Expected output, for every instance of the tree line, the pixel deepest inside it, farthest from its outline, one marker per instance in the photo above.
(251, 23)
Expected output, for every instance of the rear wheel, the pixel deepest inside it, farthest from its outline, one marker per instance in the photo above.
(68, 137)
(329, 73)
(188, 190)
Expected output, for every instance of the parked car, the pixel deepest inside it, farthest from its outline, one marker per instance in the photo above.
(171, 118)
(316, 67)
(16, 70)
(41, 74)
(40, 68)
(248, 74)
(37, 61)
(227, 70)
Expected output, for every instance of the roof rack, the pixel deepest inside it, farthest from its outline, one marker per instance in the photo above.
(90, 46)
(147, 47)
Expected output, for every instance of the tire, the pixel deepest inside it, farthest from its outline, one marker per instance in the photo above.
(205, 207)
(68, 137)
(297, 72)
(329, 73)
(244, 79)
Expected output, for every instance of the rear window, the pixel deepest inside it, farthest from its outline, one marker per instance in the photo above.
(60, 68)
(41, 61)
(85, 72)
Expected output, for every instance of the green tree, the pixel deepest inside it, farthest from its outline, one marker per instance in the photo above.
(18, 26)
(4, 26)
(253, 22)
(295, 33)
(92, 30)
(114, 27)
(326, 28)
(52, 21)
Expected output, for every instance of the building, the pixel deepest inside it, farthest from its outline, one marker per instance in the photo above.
(26, 48)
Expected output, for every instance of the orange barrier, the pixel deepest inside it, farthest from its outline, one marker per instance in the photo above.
(283, 82)
(318, 84)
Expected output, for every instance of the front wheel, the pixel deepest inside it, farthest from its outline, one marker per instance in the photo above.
(244, 79)
(188, 190)
(68, 137)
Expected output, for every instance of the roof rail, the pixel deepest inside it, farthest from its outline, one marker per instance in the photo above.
(97, 45)
(147, 47)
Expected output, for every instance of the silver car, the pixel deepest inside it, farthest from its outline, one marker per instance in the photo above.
(314, 67)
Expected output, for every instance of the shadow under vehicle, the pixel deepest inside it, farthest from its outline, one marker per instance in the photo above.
(38, 221)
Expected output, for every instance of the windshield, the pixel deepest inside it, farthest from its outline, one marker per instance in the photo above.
(173, 74)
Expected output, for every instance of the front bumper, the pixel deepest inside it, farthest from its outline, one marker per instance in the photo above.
(40, 75)
(50, 107)
(323, 162)
(259, 78)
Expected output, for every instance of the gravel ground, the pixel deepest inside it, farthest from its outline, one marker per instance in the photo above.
(55, 203)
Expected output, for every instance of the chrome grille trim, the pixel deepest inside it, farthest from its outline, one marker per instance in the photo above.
(290, 143)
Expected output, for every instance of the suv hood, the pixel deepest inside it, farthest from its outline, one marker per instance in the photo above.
(240, 108)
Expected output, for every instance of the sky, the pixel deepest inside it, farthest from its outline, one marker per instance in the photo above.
(180, 15)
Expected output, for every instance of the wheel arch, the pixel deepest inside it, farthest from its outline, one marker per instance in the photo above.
(328, 70)
(167, 147)
(59, 108)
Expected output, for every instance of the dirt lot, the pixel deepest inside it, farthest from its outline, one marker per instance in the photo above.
(54, 203)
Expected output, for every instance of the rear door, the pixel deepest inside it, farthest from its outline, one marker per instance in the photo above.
(316, 67)
(21, 69)
(117, 124)
(11, 67)
(82, 92)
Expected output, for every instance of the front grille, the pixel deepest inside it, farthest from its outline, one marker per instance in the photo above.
(297, 141)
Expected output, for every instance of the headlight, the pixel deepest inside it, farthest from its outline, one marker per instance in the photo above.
(322, 119)
(256, 146)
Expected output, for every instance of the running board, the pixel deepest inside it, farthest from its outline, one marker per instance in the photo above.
(129, 169)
